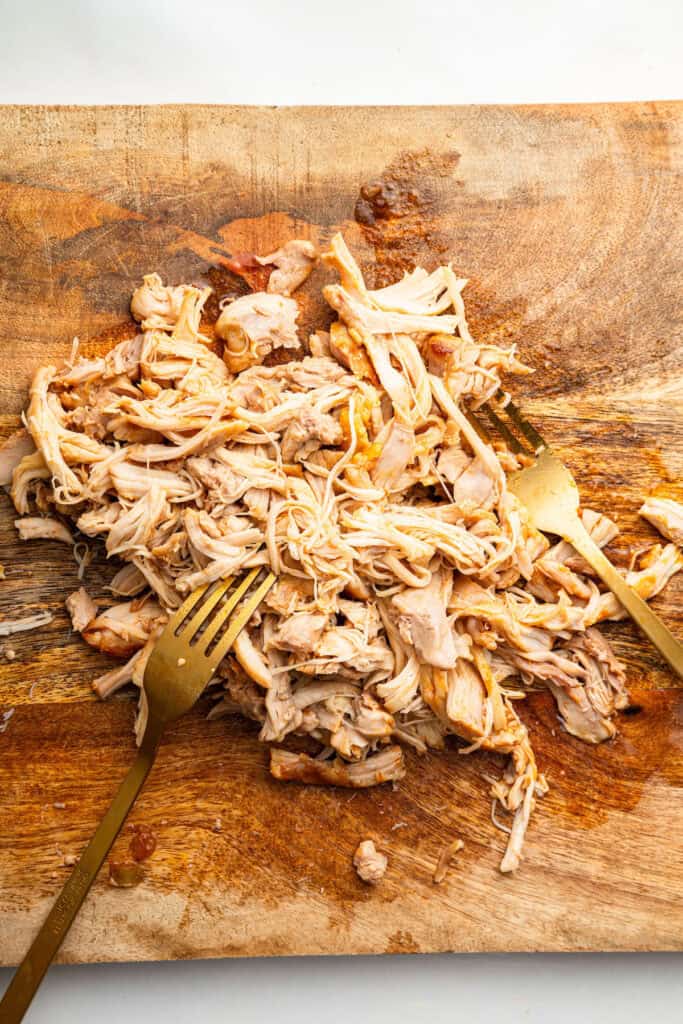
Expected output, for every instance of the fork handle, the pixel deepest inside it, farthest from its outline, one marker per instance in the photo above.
(32, 968)
(653, 627)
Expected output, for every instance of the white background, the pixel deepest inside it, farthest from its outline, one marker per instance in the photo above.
(314, 51)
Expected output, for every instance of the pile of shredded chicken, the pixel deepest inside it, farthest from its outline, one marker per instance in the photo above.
(414, 600)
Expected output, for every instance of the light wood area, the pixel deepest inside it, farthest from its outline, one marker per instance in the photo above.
(567, 221)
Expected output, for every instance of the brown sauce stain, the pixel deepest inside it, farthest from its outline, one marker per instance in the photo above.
(589, 783)
(668, 468)
(143, 842)
(401, 942)
(399, 214)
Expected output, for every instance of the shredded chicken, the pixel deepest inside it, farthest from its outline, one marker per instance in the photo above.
(43, 528)
(253, 325)
(81, 608)
(666, 516)
(15, 448)
(446, 859)
(292, 263)
(385, 766)
(370, 864)
(414, 600)
(10, 626)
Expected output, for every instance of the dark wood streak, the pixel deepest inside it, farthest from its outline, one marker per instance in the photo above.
(565, 220)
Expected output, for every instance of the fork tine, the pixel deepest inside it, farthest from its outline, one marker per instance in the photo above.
(224, 611)
(191, 627)
(186, 607)
(532, 436)
(239, 621)
(511, 440)
(478, 425)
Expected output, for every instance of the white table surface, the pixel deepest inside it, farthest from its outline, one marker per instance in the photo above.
(275, 52)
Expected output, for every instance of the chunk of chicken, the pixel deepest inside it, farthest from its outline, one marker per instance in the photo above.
(398, 450)
(293, 264)
(579, 716)
(26, 479)
(81, 608)
(370, 864)
(254, 325)
(658, 566)
(13, 450)
(251, 660)
(306, 432)
(386, 766)
(363, 318)
(422, 621)
(666, 516)
(446, 859)
(587, 704)
(156, 305)
(124, 628)
(300, 633)
(43, 528)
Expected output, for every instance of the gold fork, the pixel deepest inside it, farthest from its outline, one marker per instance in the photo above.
(195, 640)
(549, 492)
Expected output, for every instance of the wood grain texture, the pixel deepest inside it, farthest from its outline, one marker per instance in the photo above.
(567, 221)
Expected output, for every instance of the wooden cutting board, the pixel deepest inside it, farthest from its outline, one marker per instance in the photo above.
(567, 220)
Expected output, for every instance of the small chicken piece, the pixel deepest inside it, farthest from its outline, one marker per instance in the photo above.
(319, 344)
(362, 615)
(25, 479)
(300, 633)
(253, 325)
(124, 628)
(474, 486)
(446, 859)
(128, 582)
(386, 766)
(666, 516)
(39, 528)
(81, 608)
(306, 432)
(588, 702)
(465, 700)
(12, 626)
(13, 450)
(293, 263)
(356, 314)
(659, 564)
(242, 696)
(156, 305)
(579, 716)
(370, 718)
(423, 623)
(598, 648)
(370, 864)
(344, 649)
(251, 660)
(398, 451)
(349, 352)
(452, 463)
(289, 594)
(116, 678)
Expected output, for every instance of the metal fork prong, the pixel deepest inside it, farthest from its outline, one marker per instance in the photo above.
(510, 439)
(224, 611)
(186, 607)
(478, 425)
(533, 437)
(239, 621)
(191, 627)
